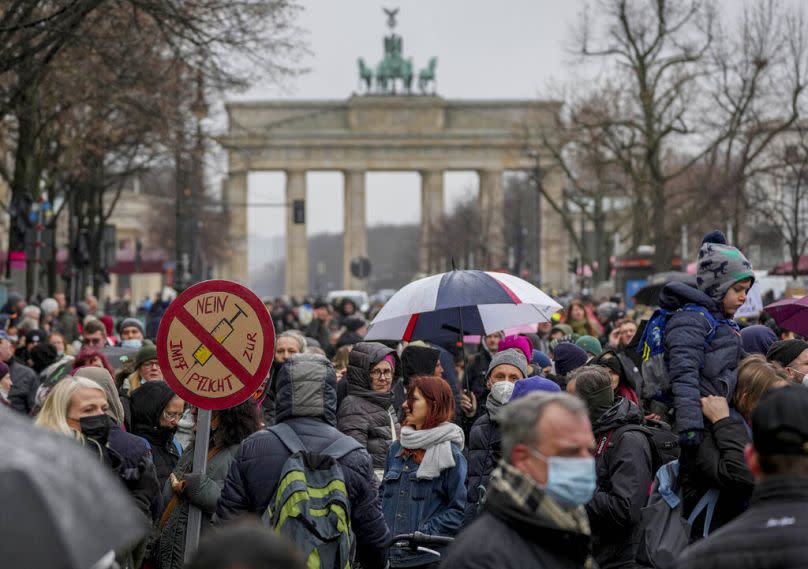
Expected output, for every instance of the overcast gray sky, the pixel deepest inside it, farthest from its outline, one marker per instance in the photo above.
(504, 49)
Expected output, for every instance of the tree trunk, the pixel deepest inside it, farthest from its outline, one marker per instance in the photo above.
(662, 253)
(27, 170)
(601, 242)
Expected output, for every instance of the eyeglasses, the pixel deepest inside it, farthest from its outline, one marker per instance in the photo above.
(172, 416)
(381, 373)
(152, 363)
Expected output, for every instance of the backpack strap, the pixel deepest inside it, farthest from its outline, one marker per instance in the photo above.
(341, 447)
(708, 503)
(711, 320)
(656, 458)
(288, 437)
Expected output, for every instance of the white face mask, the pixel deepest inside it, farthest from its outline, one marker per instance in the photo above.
(4, 393)
(803, 380)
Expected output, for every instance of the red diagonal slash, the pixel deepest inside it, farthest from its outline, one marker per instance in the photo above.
(232, 364)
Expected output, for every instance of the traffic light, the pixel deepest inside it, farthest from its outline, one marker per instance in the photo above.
(573, 265)
(299, 211)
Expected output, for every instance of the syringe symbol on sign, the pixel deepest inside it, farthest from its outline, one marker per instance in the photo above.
(220, 333)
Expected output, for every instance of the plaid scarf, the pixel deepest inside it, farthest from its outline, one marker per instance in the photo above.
(523, 493)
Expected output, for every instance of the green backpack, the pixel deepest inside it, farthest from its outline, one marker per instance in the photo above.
(311, 506)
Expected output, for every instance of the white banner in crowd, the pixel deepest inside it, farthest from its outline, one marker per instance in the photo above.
(753, 305)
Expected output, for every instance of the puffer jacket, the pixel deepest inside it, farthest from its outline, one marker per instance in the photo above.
(624, 470)
(24, 385)
(306, 400)
(770, 535)
(368, 415)
(718, 462)
(698, 370)
(201, 491)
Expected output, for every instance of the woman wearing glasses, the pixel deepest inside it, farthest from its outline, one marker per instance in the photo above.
(156, 412)
(367, 412)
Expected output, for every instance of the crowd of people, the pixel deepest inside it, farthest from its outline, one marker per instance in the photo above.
(540, 449)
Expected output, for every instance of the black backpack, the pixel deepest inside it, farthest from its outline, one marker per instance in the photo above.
(663, 441)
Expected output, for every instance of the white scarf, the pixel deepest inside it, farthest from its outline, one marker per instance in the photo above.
(438, 445)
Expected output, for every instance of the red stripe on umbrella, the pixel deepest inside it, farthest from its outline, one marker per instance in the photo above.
(410, 328)
(510, 293)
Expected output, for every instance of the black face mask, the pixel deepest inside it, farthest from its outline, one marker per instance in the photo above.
(96, 427)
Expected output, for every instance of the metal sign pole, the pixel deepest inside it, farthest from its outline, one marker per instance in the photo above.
(200, 466)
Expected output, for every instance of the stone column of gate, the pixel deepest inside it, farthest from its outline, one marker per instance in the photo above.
(492, 218)
(355, 238)
(237, 205)
(431, 215)
(297, 245)
(554, 245)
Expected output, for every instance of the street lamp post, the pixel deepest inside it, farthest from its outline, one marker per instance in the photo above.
(200, 112)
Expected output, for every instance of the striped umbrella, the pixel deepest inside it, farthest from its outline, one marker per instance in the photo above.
(441, 307)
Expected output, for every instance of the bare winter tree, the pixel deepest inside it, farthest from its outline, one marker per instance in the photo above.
(93, 91)
(684, 90)
(596, 179)
(781, 193)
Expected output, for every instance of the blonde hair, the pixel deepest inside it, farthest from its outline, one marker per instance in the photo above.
(53, 415)
(755, 377)
(134, 380)
(340, 361)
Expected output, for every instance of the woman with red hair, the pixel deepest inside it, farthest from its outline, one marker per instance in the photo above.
(424, 486)
(92, 358)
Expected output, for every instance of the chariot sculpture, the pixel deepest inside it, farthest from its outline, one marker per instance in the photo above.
(394, 70)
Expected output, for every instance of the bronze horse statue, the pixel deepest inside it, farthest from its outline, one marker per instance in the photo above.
(365, 74)
(427, 76)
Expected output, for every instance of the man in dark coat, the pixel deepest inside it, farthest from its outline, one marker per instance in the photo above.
(306, 400)
(771, 533)
(477, 367)
(717, 463)
(319, 327)
(485, 448)
(529, 520)
(624, 467)
(24, 381)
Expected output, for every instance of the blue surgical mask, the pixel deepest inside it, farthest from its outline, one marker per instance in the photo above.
(571, 481)
(132, 343)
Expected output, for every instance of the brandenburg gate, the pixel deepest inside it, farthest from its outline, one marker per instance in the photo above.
(388, 131)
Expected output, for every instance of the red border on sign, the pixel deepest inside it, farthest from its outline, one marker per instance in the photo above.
(252, 382)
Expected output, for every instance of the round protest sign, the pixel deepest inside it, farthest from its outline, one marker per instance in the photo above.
(215, 344)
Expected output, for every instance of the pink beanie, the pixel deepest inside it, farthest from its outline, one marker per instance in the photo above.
(517, 343)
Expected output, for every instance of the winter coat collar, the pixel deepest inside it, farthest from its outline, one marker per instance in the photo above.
(782, 489)
(623, 412)
(676, 295)
(523, 505)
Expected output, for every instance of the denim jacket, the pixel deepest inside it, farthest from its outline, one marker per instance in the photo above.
(434, 507)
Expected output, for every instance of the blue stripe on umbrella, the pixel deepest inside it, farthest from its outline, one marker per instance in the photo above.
(445, 324)
(465, 288)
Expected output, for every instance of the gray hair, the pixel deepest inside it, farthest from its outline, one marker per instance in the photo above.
(295, 335)
(590, 378)
(519, 418)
